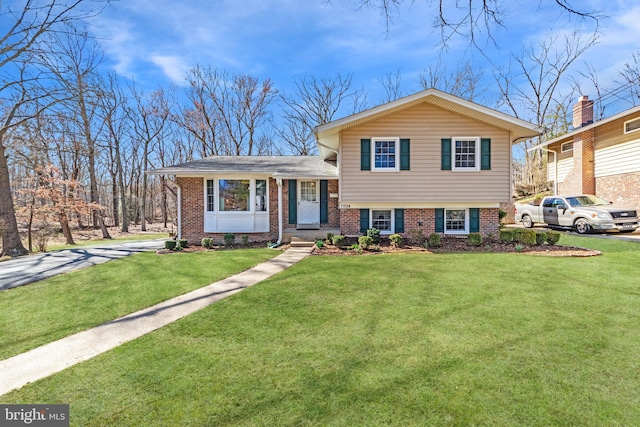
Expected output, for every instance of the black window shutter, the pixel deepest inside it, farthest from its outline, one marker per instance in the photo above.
(293, 201)
(474, 220)
(364, 220)
(399, 220)
(445, 152)
(485, 154)
(439, 220)
(365, 154)
(405, 163)
(324, 201)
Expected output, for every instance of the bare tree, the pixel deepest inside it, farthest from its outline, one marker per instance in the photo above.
(227, 111)
(472, 20)
(465, 82)
(630, 74)
(314, 103)
(150, 117)
(530, 90)
(392, 84)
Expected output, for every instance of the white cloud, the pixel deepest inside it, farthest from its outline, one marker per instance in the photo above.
(173, 67)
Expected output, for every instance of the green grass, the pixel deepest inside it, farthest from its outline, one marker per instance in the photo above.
(54, 308)
(406, 339)
(132, 237)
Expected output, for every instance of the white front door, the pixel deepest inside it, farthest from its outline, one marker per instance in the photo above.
(308, 203)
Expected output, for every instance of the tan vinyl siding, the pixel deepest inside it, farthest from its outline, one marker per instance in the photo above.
(565, 164)
(615, 151)
(425, 125)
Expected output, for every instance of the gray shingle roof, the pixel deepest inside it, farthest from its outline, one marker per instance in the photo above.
(276, 166)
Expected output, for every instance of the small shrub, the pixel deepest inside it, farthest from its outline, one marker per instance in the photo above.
(416, 237)
(553, 237)
(337, 240)
(434, 240)
(170, 244)
(245, 240)
(229, 239)
(501, 215)
(374, 233)
(396, 240)
(526, 237)
(541, 238)
(178, 248)
(365, 242)
(506, 235)
(207, 242)
(356, 248)
(183, 243)
(319, 244)
(329, 237)
(519, 247)
(475, 239)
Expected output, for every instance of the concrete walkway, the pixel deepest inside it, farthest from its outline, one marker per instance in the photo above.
(50, 358)
(31, 268)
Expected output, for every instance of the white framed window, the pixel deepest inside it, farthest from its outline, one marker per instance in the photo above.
(632, 125)
(456, 221)
(382, 219)
(567, 146)
(236, 195)
(385, 153)
(466, 153)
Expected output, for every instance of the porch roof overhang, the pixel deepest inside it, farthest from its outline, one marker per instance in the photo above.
(328, 138)
(285, 167)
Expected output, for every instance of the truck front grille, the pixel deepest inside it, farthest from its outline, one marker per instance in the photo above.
(624, 214)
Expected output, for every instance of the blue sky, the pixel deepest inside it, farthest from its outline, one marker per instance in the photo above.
(157, 41)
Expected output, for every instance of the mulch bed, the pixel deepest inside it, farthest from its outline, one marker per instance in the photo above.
(449, 245)
(457, 245)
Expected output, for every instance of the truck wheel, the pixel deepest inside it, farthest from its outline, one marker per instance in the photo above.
(526, 221)
(582, 226)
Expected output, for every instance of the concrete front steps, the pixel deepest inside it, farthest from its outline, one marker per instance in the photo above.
(306, 237)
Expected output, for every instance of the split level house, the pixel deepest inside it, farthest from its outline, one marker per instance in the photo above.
(430, 161)
(601, 157)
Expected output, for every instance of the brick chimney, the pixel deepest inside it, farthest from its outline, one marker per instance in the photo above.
(582, 112)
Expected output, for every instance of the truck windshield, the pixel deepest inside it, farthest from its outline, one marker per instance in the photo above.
(586, 201)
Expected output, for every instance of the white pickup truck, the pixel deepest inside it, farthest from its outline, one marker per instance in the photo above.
(582, 213)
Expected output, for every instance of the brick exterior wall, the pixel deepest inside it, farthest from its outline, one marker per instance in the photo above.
(418, 219)
(192, 211)
(581, 177)
(623, 189)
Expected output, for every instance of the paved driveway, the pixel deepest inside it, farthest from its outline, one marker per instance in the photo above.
(24, 270)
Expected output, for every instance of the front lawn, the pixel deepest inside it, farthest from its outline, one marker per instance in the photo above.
(50, 309)
(404, 339)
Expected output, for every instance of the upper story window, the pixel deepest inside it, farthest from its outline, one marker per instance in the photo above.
(466, 152)
(632, 125)
(567, 146)
(385, 154)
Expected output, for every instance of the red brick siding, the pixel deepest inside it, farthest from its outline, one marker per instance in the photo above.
(193, 200)
(418, 219)
(623, 189)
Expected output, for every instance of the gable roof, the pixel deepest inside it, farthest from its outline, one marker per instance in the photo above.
(327, 135)
(275, 166)
(577, 131)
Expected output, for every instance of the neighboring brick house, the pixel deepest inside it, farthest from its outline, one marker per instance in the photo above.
(601, 158)
(430, 161)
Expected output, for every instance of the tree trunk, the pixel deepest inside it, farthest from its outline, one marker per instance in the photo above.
(11, 243)
(123, 193)
(100, 216)
(66, 230)
(114, 200)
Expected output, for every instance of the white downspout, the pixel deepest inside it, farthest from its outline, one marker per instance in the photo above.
(555, 169)
(279, 183)
(179, 234)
